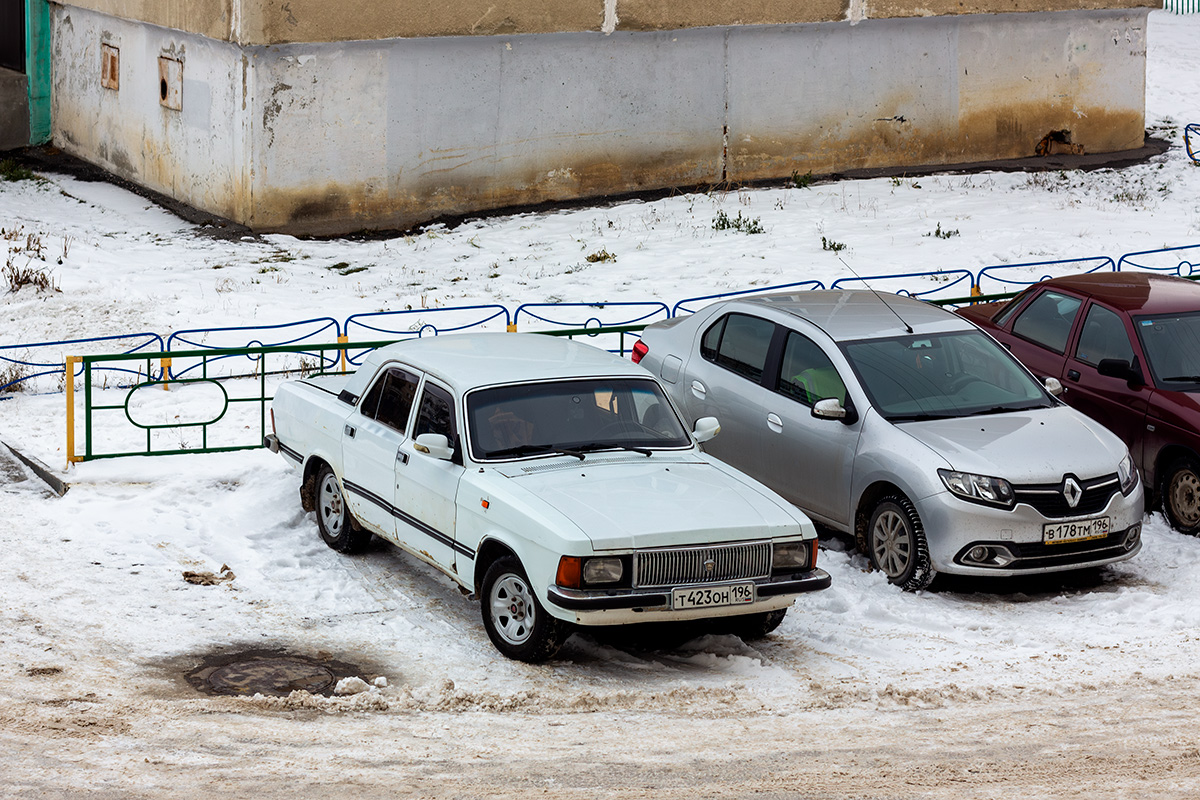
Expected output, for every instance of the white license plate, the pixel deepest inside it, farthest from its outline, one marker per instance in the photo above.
(710, 596)
(1078, 531)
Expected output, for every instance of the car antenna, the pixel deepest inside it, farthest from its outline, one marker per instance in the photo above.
(907, 327)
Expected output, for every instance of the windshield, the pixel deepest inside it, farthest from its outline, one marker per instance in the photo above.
(1172, 346)
(572, 418)
(911, 378)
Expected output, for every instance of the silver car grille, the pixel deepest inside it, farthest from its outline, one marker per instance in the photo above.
(680, 566)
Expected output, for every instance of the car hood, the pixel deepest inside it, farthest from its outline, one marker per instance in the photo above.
(656, 502)
(1036, 446)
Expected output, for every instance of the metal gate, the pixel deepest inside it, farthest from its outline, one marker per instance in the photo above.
(12, 34)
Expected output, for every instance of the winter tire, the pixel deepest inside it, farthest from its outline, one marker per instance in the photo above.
(1181, 495)
(339, 529)
(896, 544)
(515, 621)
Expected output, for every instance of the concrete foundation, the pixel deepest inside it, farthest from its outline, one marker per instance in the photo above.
(14, 110)
(332, 137)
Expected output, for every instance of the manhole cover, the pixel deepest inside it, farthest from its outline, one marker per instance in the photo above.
(269, 673)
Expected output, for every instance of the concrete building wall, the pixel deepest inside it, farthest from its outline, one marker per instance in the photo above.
(331, 137)
(291, 21)
(196, 154)
(14, 109)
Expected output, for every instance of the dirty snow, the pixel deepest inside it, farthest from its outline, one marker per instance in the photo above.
(1080, 686)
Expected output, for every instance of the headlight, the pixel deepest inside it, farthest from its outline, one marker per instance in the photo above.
(790, 556)
(978, 488)
(602, 570)
(1127, 474)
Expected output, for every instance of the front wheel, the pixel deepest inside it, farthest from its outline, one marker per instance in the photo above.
(515, 621)
(896, 544)
(1181, 495)
(339, 529)
(751, 627)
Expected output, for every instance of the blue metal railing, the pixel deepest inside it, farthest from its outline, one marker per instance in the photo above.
(1044, 271)
(941, 277)
(316, 330)
(1193, 148)
(453, 319)
(21, 364)
(684, 305)
(593, 318)
(1162, 260)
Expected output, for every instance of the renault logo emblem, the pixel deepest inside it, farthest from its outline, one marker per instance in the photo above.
(1071, 492)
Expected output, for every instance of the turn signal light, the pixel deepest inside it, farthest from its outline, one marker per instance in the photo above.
(570, 572)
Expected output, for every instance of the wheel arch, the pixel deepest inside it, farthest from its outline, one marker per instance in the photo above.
(866, 504)
(489, 550)
(308, 481)
(1165, 457)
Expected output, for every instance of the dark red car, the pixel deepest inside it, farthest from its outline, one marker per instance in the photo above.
(1126, 345)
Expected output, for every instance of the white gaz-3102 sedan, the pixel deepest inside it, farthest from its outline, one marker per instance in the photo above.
(554, 480)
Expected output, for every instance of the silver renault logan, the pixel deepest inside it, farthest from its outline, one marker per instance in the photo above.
(905, 425)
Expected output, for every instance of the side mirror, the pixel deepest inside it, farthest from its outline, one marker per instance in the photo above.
(829, 408)
(706, 428)
(434, 445)
(1119, 368)
(1053, 386)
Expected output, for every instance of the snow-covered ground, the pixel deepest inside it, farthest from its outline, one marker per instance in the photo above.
(1082, 686)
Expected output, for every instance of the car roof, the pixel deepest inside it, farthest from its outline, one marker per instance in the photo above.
(467, 360)
(1144, 292)
(863, 314)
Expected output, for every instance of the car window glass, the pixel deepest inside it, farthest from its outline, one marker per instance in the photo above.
(436, 414)
(1172, 346)
(1006, 312)
(743, 345)
(1048, 320)
(391, 398)
(712, 338)
(807, 374)
(1103, 336)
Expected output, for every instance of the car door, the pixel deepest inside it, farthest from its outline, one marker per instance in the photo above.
(1112, 402)
(1042, 332)
(724, 380)
(426, 487)
(809, 460)
(371, 447)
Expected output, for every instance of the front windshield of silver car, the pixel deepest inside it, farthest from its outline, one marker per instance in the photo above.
(1172, 345)
(573, 417)
(913, 378)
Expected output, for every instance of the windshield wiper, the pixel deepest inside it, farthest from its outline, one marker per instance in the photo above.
(1002, 410)
(1183, 379)
(591, 446)
(532, 449)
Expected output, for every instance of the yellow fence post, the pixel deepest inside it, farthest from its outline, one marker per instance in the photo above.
(512, 327)
(975, 291)
(69, 368)
(342, 339)
(166, 370)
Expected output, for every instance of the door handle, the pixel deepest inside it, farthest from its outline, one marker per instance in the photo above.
(1073, 374)
(775, 423)
(401, 456)
(698, 389)
(349, 431)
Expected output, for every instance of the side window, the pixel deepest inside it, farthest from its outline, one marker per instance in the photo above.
(739, 343)
(1103, 336)
(1002, 316)
(436, 414)
(391, 398)
(1048, 319)
(807, 374)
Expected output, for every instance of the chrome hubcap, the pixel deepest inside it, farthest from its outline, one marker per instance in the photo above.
(329, 504)
(891, 543)
(1185, 497)
(512, 609)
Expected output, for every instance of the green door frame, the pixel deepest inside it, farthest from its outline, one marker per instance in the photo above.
(37, 68)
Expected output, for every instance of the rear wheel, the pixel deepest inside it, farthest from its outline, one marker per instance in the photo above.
(1181, 495)
(339, 529)
(515, 621)
(896, 544)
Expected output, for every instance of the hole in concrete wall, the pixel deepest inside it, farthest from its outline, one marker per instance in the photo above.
(110, 67)
(170, 83)
(1058, 143)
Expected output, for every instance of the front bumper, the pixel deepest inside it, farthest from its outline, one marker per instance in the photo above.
(635, 605)
(953, 527)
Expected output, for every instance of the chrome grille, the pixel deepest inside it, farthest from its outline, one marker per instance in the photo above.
(686, 565)
(1049, 501)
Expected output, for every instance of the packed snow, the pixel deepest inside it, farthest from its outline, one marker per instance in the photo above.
(1046, 683)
